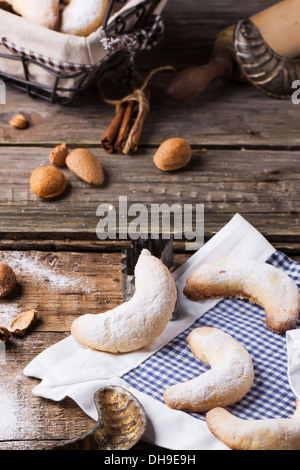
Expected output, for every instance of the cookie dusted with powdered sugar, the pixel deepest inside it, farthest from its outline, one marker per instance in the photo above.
(265, 434)
(261, 283)
(83, 17)
(227, 382)
(134, 324)
(45, 13)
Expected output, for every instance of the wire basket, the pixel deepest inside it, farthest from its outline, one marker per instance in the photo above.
(136, 30)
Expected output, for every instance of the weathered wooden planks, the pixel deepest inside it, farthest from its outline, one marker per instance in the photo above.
(33, 422)
(261, 185)
(61, 285)
(44, 281)
(245, 159)
(227, 114)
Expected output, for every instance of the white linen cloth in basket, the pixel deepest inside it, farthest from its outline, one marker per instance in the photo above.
(63, 53)
(68, 369)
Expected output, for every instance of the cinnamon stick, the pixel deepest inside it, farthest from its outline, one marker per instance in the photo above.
(127, 123)
(133, 140)
(109, 138)
(124, 133)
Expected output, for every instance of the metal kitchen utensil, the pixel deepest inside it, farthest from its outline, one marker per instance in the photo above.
(263, 50)
(264, 68)
(121, 422)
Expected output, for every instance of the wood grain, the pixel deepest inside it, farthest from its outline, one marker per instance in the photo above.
(35, 422)
(263, 186)
(245, 159)
(227, 114)
(61, 286)
(245, 147)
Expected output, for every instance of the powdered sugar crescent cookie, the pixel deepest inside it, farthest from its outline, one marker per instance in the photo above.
(82, 17)
(134, 324)
(45, 12)
(227, 382)
(269, 434)
(261, 283)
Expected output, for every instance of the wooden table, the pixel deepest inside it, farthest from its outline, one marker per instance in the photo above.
(245, 160)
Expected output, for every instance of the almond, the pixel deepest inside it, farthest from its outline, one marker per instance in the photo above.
(19, 122)
(8, 280)
(48, 181)
(5, 334)
(22, 322)
(86, 166)
(59, 154)
(173, 154)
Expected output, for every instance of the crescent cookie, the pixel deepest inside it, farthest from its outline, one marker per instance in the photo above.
(82, 17)
(231, 375)
(45, 13)
(269, 434)
(134, 324)
(261, 283)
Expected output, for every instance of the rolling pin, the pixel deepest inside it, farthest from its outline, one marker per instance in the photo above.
(277, 29)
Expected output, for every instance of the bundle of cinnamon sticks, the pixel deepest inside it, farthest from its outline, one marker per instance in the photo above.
(124, 133)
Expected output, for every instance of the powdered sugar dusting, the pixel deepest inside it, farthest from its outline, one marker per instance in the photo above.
(15, 418)
(229, 379)
(262, 283)
(8, 311)
(254, 278)
(32, 268)
(37, 270)
(265, 434)
(83, 17)
(134, 324)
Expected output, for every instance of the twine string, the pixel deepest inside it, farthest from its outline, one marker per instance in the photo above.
(140, 97)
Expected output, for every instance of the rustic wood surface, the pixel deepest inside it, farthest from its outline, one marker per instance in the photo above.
(245, 159)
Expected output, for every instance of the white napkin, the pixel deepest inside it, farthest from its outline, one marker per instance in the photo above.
(68, 369)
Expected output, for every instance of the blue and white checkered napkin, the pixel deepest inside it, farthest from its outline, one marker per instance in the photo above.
(270, 397)
(69, 369)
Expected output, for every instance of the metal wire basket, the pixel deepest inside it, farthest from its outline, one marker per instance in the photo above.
(120, 42)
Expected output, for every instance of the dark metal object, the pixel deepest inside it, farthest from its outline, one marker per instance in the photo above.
(60, 92)
(265, 69)
(121, 422)
(53, 93)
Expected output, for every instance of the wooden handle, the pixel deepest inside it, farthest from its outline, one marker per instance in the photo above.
(190, 82)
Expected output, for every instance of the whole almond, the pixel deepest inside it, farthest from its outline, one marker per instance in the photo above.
(86, 166)
(173, 154)
(48, 181)
(59, 154)
(8, 280)
(19, 122)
